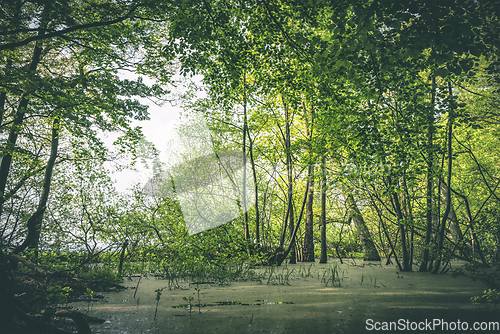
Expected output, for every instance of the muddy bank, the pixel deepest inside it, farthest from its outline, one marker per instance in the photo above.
(370, 298)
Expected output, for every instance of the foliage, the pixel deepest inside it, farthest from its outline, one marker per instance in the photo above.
(399, 98)
(58, 294)
(104, 274)
(490, 296)
(332, 275)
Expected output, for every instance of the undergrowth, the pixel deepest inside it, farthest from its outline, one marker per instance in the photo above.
(490, 276)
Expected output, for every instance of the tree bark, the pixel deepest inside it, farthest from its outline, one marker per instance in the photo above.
(244, 191)
(291, 245)
(402, 231)
(323, 258)
(388, 237)
(3, 97)
(256, 188)
(35, 221)
(442, 228)
(7, 288)
(410, 218)
(21, 110)
(369, 249)
(476, 245)
(308, 255)
(122, 257)
(308, 248)
(456, 232)
(429, 193)
(289, 167)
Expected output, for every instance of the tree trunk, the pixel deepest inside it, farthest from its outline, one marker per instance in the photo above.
(429, 193)
(3, 96)
(6, 294)
(388, 237)
(308, 249)
(289, 167)
(21, 111)
(369, 249)
(244, 191)
(309, 229)
(456, 232)
(256, 188)
(122, 257)
(448, 187)
(476, 245)
(410, 218)
(323, 258)
(402, 231)
(35, 221)
(293, 234)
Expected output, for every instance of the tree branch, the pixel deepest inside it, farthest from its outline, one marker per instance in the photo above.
(26, 41)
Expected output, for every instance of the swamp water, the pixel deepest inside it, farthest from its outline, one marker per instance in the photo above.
(368, 299)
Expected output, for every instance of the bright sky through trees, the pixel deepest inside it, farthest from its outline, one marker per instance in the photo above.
(157, 130)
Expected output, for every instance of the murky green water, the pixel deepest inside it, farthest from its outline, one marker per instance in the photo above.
(367, 295)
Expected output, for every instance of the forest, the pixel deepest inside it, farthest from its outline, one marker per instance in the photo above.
(319, 131)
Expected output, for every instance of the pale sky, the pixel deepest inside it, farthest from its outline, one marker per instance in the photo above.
(203, 206)
(158, 130)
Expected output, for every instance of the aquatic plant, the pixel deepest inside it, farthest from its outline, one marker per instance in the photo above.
(490, 296)
(157, 298)
(189, 299)
(303, 272)
(332, 275)
(137, 286)
(281, 278)
(271, 272)
(199, 303)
